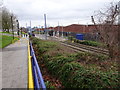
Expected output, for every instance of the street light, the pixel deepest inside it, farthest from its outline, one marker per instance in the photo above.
(12, 26)
(45, 27)
(17, 27)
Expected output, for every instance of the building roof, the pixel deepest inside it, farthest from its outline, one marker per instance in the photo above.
(76, 28)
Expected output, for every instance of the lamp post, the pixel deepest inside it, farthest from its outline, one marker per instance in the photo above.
(17, 27)
(12, 26)
(45, 27)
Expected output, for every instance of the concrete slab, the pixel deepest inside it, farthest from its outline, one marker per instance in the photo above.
(14, 65)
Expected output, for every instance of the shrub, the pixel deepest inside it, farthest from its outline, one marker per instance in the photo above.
(55, 63)
(72, 73)
(91, 43)
(70, 38)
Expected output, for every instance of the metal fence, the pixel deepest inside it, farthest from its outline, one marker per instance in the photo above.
(37, 76)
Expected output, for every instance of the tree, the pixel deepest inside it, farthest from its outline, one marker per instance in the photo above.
(6, 19)
(0, 18)
(106, 26)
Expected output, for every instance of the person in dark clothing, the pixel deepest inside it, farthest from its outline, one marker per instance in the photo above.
(26, 35)
(33, 34)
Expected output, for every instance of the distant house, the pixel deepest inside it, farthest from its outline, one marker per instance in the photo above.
(74, 28)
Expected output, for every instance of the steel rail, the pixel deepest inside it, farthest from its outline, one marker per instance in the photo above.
(37, 71)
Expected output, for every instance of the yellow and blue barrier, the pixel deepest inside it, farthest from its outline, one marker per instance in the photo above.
(30, 74)
(37, 79)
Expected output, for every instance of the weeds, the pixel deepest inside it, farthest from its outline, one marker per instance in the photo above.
(69, 68)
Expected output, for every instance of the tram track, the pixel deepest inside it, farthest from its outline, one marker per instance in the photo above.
(85, 48)
(80, 47)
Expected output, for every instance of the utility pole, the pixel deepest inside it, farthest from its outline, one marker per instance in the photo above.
(12, 26)
(30, 28)
(45, 27)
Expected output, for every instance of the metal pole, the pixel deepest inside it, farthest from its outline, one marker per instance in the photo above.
(17, 27)
(45, 27)
(12, 26)
(30, 27)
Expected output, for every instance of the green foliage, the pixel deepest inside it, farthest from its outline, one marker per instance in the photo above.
(85, 42)
(91, 43)
(86, 56)
(49, 85)
(74, 74)
(67, 72)
(70, 38)
(55, 63)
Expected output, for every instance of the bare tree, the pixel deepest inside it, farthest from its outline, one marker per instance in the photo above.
(106, 26)
(6, 19)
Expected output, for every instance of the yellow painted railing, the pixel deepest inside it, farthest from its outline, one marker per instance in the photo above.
(30, 76)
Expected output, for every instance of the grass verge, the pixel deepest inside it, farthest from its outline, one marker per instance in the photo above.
(6, 40)
(6, 32)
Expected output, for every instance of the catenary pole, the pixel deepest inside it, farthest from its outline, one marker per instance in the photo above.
(45, 27)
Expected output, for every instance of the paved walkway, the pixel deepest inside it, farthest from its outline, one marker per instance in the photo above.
(14, 65)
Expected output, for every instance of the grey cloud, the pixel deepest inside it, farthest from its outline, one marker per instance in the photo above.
(56, 10)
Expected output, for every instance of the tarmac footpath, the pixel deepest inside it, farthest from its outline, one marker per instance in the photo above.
(15, 65)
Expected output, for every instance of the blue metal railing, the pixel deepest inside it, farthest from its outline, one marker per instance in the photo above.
(38, 79)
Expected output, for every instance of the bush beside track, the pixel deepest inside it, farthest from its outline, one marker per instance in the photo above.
(77, 70)
(86, 42)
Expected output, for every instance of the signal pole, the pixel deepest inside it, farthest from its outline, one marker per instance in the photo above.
(45, 27)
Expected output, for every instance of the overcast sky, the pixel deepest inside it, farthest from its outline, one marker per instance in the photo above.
(65, 12)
